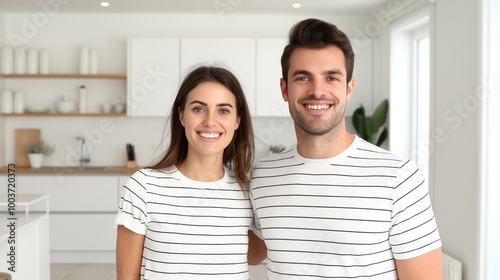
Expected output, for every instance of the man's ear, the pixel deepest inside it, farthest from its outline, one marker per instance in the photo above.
(350, 88)
(284, 91)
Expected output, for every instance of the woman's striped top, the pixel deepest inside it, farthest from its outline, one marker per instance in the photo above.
(193, 230)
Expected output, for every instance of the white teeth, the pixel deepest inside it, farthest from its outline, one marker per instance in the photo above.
(209, 135)
(317, 107)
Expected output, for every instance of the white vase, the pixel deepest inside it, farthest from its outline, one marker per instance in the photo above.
(93, 62)
(18, 102)
(82, 100)
(44, 63)
(32, 61)
(7, 60)
(84, 60)
(36, 160)
(19, 61)
(7, 102)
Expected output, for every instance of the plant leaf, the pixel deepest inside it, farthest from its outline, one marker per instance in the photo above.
(380, 113)
(371, 129)
(382, 136)
(358, 119)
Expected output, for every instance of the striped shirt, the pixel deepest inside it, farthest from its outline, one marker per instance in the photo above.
(346, 217)
(193, 230)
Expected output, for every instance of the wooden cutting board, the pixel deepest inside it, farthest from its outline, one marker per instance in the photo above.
(23, 137)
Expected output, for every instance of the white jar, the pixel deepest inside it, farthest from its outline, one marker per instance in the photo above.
(7, 60)
(18, 102)
(7, 102)
(19, 61)
(93, 62)
(84, 60)
(32, 61)
(44, 62)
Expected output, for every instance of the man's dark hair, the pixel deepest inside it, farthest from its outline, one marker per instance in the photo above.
(317, 34)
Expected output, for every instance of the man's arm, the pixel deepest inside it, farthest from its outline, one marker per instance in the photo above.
(129, 248)
(257, 251)
(425, 267)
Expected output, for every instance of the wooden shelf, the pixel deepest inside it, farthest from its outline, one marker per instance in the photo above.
(65, 76)
(65, 115)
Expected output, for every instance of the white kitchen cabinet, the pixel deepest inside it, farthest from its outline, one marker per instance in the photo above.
(74, 193)
(235, 54)
(153, 76)
(269, 102)
(82, 210)
(363, 75)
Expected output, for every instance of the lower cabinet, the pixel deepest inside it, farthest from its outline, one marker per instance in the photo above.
(82, 211)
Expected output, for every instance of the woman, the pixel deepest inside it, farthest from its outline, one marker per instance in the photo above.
(187, 216)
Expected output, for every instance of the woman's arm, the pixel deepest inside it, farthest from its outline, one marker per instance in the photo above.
(257, 250)
(129, 247)
(427, 266)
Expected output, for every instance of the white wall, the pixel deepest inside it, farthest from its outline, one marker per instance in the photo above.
(456, 157)
(64, 34)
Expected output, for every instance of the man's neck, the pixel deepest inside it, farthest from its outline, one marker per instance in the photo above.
(323, 146)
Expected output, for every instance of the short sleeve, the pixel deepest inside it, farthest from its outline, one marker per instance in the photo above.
(255, 225)
(414, 231)
(132, 209)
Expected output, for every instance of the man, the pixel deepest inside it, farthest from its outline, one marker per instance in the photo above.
(335, 206)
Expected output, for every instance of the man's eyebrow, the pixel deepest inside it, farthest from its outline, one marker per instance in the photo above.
(327, 72)
(301, 72)
(333, 72)
(205, 104)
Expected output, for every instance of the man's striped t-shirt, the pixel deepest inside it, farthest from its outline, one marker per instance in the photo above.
(193, 230)
(346, 217)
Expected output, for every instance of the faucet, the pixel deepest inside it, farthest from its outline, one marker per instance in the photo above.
(85, 158)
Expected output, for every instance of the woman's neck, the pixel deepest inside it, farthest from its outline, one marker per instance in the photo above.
(204, 169)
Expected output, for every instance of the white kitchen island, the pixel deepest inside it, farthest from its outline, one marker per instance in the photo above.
(24, 238)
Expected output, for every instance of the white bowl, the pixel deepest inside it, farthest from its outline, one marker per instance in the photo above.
(65, 106)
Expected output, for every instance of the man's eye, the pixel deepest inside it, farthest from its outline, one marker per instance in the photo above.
(332, 79)
(302, 79)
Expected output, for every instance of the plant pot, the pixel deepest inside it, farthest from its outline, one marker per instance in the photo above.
(36, 160)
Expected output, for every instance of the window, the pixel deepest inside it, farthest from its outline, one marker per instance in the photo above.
(410, 89)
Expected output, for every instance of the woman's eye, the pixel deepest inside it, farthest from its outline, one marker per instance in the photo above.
(198, 110)
(224, 111)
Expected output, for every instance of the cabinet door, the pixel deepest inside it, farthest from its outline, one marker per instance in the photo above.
(153, 76)
(269, 102)
(82, 232)
(235, 54)
(73, 193)
(363, 77)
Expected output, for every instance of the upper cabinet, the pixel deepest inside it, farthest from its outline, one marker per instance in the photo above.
(269, 102)
(234, 54)
(363, 79)
(153, 76)
(156, 67)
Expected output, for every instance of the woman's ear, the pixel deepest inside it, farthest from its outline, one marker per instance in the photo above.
(181, 115)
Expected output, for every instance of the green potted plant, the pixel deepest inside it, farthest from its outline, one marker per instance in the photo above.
(36, 152)
(372, 129)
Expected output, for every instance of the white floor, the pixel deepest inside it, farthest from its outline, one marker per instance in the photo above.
(108, 272)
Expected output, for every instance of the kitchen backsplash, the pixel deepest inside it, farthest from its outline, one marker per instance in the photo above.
(107, 137)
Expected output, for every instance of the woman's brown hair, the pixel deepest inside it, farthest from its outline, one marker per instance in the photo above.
(238, 155)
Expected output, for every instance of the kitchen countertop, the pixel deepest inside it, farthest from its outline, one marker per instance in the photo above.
(72, 170)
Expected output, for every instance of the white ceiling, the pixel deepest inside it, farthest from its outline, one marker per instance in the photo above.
(333, 7)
